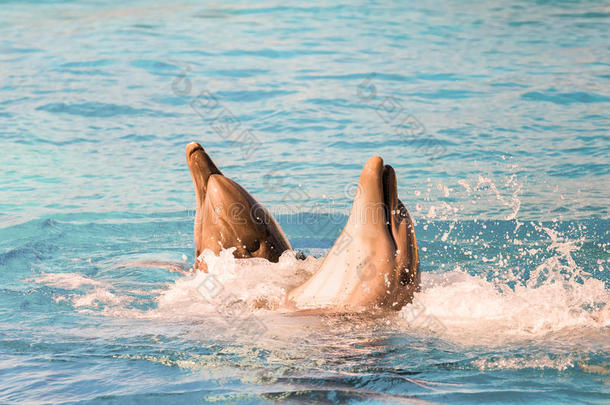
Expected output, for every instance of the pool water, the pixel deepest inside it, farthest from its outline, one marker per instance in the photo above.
(494, 116)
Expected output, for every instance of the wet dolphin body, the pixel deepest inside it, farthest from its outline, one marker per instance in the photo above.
(374, 262)
(228, 216)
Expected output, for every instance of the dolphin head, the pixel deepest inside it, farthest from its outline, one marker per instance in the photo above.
(374, 263)
(228, 216)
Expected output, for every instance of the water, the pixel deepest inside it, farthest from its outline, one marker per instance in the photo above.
(493, 115)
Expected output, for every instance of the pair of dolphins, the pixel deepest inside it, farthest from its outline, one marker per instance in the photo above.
(375, 266)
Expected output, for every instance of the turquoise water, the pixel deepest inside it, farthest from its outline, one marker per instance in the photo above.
(495, 117)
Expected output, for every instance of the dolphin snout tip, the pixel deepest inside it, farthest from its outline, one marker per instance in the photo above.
(375, 163)
(192, 147)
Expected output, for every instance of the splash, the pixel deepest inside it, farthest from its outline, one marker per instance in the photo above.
(493, 301)
(475, 311)
(491, 308)
(232, 288)
(556, 296)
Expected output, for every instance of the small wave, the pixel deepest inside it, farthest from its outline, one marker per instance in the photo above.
(539, 361)
(358, 76)
(591, 14)
(450, 94)
(274, 53)
(565, 98)
(245, 96)
(241, 73)
(155, 67)
(101, 110)
(88, 63)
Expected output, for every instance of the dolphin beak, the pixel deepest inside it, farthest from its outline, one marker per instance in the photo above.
(192, 148)
(378, 199)
(201, 167)
(379, 183)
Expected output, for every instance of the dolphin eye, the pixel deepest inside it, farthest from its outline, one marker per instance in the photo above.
(255, 245)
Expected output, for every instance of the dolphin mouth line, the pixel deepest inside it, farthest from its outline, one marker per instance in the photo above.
(386, 187)
(386, 199)
(195, 149)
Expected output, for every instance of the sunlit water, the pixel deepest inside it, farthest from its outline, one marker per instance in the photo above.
(495, 118)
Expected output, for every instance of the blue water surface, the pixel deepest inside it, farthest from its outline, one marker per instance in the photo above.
(493, 114)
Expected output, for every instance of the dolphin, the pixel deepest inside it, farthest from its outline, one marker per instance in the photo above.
(228, 216)
(374, 263)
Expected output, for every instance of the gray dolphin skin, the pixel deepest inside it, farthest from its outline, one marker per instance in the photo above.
(228, 216)
(374, 263)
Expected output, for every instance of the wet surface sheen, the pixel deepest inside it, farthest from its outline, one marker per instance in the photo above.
(494, 116)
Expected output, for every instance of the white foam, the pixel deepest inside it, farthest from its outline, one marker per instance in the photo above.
(69, 281)
(97, 293)
(231, 288)
(558, 296)
(99, 296)
(474, 311)
(454, 305)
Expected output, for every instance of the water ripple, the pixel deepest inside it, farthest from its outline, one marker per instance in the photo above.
(565, 98)
(101, 110)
